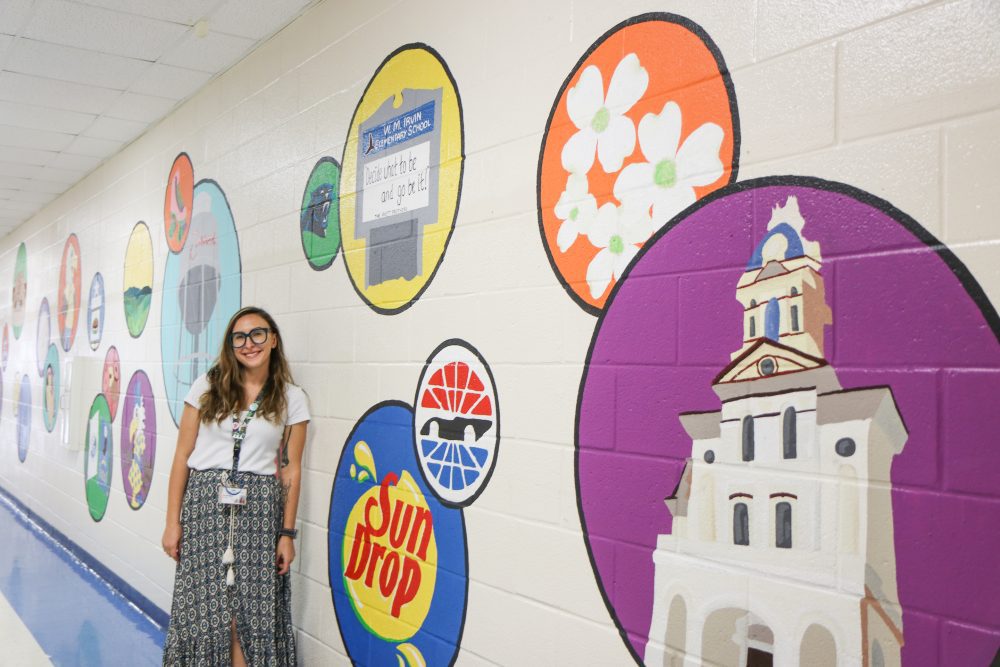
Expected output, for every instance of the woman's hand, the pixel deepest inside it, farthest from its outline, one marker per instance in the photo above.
(285, 554)
(172, 540)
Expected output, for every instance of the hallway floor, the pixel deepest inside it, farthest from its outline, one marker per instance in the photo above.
(54, 610)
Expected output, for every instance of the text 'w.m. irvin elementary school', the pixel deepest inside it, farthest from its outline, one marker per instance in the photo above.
(782, 544)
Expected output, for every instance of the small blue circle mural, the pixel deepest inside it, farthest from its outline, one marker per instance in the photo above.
(95, 311)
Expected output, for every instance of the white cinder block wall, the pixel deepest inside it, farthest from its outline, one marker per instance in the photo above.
(900, 99)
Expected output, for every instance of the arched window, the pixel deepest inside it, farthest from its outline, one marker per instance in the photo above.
(789, 434)
(753, 303)
(795, 318)
(741, 524)
(772, 319)
(748, 438)
(753, 328)
(793, 292)
(783, 525)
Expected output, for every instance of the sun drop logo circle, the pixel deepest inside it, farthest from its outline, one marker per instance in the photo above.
(457, 426)
(397, 556)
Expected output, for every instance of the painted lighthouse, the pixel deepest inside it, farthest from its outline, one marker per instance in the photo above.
(782, 551)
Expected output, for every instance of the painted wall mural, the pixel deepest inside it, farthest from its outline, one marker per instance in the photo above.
(43, 335)
(178, 201)
(402, 178)
(68, 297)
(633, 138)
(203, 287)
(98, 458)
(138, 279)
(111, 380)
(50, 388)
(457, 425)
(397, 555)
(829, 419)
(19, 292)
(319, 215)
(23, 417)
(5, 346)
(95, 311)
(138, 439)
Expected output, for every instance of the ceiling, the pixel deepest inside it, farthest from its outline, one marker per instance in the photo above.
(80, 79)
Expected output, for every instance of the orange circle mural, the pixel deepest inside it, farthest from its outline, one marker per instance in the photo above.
(645, 125)
(178, 202)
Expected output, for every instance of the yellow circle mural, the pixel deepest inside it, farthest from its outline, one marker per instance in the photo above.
(402, 178)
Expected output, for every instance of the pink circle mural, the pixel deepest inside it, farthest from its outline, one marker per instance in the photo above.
(784, 436)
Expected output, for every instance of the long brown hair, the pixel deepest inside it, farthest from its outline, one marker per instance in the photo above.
(224, 397)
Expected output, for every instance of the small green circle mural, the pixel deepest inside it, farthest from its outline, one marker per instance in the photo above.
(97, 461)
(319, 215)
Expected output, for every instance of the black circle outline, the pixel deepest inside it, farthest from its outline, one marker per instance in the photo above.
(194, 182)
(121, 443)
(326, 159)
(496, 422)
(461, 177)
(62, 277)
(663, 17)
(239, 269)
(329, 517)
(964, 276)
(152, 281)
(90, 343)
(111, 446)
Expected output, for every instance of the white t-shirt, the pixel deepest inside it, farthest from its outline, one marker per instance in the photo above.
(213, 449)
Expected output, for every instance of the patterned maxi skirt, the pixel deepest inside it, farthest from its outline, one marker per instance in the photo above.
(203, 606)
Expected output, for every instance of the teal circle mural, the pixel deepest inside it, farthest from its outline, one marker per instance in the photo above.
(50, 388)
(202, 288)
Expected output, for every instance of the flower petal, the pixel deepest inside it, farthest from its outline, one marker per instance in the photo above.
(577, 186)
(660, 133)
(628, 84)
(586, 97)
(698, 159)
(599, 273)
(616, 143)
(669, 202)
(636, 224)
(621, 262)
(578, 153)
(568, 233)
(635, 183)
(605, 224)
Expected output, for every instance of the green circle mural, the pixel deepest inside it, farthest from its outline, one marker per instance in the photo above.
(50, 388)
(319, 215)
(97, 461)
(19, 293)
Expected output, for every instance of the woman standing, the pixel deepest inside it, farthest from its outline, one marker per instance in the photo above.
(238, 469)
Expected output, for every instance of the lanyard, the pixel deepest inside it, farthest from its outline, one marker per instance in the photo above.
(240, 429)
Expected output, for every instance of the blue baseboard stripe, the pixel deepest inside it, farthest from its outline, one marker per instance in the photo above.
(156, 615)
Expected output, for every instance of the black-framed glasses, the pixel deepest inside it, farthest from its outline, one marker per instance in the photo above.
(257, 336)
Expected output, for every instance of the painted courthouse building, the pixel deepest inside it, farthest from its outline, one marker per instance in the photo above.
(782, 545)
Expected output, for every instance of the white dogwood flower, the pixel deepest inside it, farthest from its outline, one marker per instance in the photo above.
(577, 208)
(600, 120)
(618, 231)
(666, 181)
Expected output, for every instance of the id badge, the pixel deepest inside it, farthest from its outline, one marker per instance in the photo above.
(231, 495)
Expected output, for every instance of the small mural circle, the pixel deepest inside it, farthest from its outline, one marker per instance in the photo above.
(19, 292)
(98, 460)
(400, 595)
(632, 139)
(178, 201)
(43, 335)
(138, 439)
(69, 292)
(95, 311)
(138, 279)
(23, 417)
(202, 288)
(111, 380)
(50, 388)
(401, 178)
(457, 423)
(319, 214)
(730, 333)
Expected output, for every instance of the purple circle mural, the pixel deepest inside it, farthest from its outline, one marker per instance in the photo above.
(138, 450)
(784, 436)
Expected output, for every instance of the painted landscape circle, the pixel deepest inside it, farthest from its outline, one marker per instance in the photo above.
(860, 259)
(138, 279)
